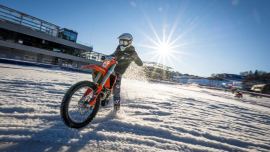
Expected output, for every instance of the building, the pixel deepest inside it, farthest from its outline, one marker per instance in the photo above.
(190, 79)
(157, 71)
(157, 66)
(230, 80)
(27, 38)
(261, 88)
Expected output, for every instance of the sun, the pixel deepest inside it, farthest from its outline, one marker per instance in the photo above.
(163, 49)
(167, 44)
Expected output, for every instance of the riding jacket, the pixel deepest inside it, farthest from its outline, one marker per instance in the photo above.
(124, 58)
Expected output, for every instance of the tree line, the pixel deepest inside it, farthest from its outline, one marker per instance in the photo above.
(256, 77)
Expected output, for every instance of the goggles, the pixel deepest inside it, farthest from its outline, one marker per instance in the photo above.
(124, 42)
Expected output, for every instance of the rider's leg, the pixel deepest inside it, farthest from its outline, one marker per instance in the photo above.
(116, 92)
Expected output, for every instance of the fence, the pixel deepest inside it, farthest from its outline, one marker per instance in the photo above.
(246, 92)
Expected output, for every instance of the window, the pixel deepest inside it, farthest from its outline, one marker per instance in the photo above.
(68, 35)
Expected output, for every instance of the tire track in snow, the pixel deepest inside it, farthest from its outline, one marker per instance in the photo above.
(162, 117)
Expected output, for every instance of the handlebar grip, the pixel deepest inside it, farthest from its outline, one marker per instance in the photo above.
(107, 57)
(103, 58)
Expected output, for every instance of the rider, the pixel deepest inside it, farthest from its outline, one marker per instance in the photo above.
(125, 53)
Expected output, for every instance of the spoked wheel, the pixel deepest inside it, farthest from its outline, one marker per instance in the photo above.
(75, 108)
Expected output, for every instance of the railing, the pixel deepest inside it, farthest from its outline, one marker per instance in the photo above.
(14, 16)
(17, 17)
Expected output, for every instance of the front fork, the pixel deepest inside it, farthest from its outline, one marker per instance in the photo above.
(99, 85)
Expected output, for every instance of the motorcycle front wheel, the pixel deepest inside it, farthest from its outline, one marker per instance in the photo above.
(76, 111)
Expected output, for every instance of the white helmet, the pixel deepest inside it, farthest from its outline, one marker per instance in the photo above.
(125, 39)
(125, 36)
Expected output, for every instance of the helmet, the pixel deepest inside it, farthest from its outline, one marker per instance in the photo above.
(125, 36)
(125, 39)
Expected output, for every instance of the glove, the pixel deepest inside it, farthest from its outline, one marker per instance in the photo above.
(103, 58)
(108, 57)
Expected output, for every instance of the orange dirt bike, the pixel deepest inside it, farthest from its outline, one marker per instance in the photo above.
(81, 102)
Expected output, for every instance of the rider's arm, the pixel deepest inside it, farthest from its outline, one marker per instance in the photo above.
(137, 59)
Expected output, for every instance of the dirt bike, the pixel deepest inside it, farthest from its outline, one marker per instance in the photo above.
(238, 95)
(82, 100)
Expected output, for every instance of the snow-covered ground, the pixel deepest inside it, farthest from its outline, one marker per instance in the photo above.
(154, 117)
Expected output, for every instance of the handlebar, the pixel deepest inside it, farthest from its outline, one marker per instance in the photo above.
(107, 57)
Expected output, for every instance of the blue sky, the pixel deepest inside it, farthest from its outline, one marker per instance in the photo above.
(210, 36)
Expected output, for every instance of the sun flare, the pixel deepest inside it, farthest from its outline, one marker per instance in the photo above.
(165, 45)
(163, 49)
